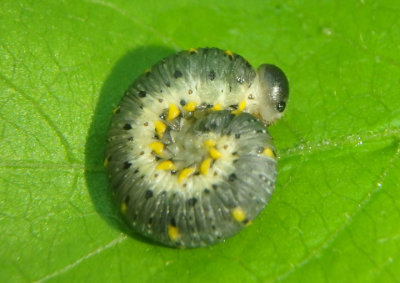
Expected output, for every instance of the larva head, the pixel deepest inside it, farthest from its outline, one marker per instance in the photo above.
(274, 92)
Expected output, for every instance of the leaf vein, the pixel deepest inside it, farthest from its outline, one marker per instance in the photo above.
(111, 244)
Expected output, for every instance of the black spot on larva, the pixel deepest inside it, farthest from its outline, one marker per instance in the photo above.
(214, 186)
(260, 150)
(173, 222)
(190, 91)
(173, 172)
(163, 116)
(192, 201)
(145, 124)
(262, 177)
(206, 191)
(127, 164)
(130, 139)
(237, 135)
(246, 221)
(234, 153)
(148, 194)
(136, 171)
(157, 158)
(182, 102)
(141, 153)
(234, 106)
(160, 100)
(211, 75)
(117, 111)
(142, 93)
(259, 131)
(213, 126)
(127, 127)
(232, 177)
(168, 84)
(177, 74)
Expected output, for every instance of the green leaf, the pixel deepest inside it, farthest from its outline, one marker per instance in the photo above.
(335, 213)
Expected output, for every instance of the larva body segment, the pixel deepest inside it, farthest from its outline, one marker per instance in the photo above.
(189, 162)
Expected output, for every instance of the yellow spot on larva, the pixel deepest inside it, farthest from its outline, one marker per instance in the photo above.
(190, 106)
(268, 152)
(205, 166)
(105, 162)
(115, 111)
(173, 233)
(166, 165)
(173, 111)
(228, 52)
(185, 173)
(217, 107)
(238, 214)
(210, 143)
(214, 153)
(124, 208)
(147, 71)
(160, 128)
(192, 50)
(241, 107)
(157, 147)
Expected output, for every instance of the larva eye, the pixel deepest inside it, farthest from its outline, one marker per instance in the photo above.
(274, 88)
(281, 106)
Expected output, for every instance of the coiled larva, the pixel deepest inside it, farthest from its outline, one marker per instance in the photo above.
(188, 153)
